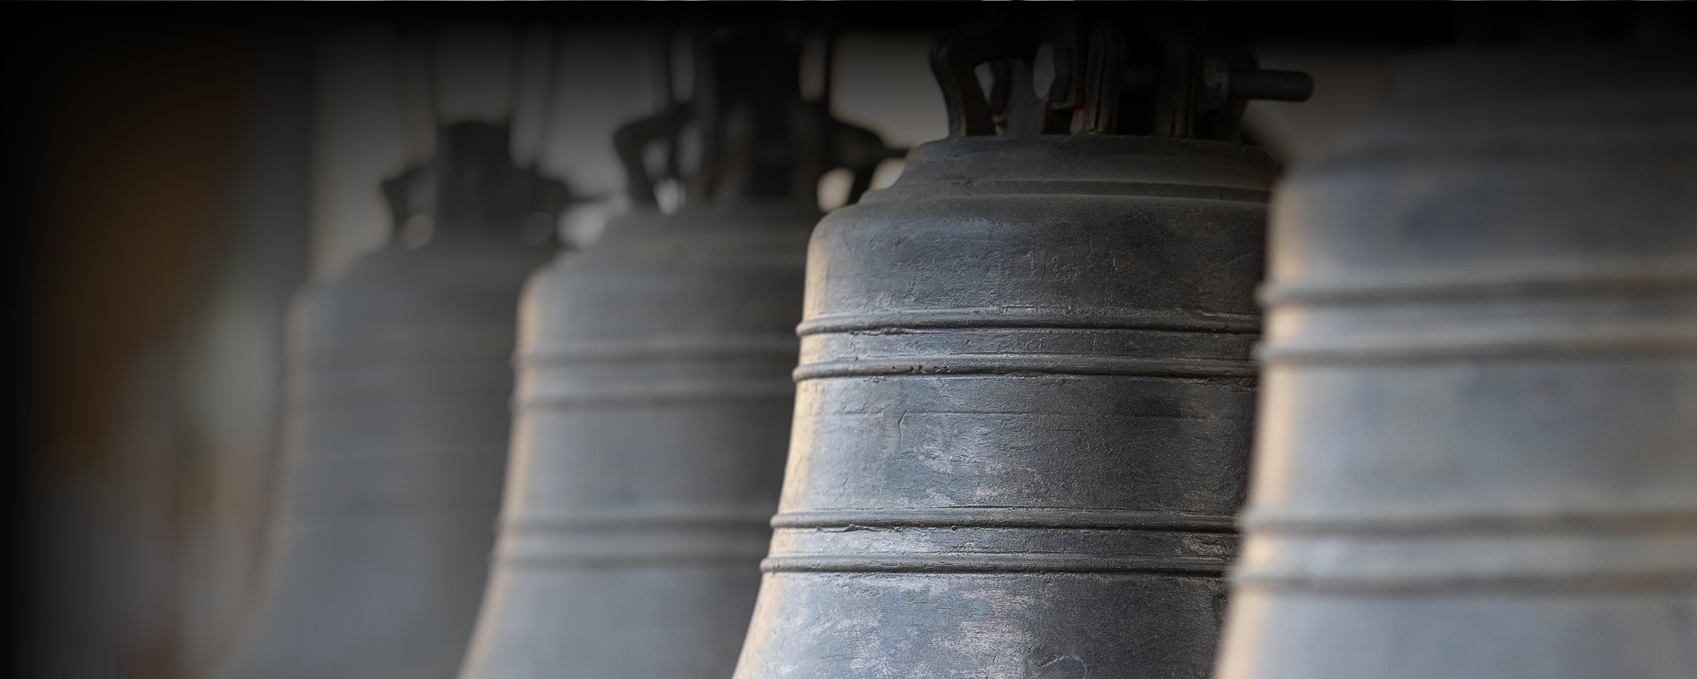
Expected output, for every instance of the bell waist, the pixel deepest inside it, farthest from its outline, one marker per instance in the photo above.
(1174, 345)
(1001, 540)
(1600, 310)
(672, 368)
(636, 536)
(1436, 552)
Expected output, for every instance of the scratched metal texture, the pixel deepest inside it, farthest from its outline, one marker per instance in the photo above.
(1023, 416)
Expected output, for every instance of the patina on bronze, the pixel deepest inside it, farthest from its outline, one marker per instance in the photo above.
(1478, 439)
(1024, 402)
(654, 396)
(397, 438)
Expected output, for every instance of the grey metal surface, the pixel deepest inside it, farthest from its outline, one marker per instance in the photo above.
(1478, 438)
(1023, 411)
(397, 435)
(655, 397)
(1023, 418)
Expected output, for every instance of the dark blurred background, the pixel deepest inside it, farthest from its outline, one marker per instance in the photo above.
(173, 175)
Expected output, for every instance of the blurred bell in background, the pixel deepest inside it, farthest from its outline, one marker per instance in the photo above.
(653, 409)
(395, 419)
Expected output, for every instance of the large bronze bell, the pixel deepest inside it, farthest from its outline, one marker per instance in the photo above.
(1478, 445)
(654, 396)
(397, 439)
(1023, 418)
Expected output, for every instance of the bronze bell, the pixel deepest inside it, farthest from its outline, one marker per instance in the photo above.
(1023, 416)
(397, 439)
(654, 396)
(1478, 439)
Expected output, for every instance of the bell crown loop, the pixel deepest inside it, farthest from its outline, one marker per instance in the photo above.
(1090, 75)
(472, 189)
(746, 131)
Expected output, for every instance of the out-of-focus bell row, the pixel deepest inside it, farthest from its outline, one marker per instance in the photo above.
(1137, 341)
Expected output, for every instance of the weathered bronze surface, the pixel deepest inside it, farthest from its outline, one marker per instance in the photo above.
(398, 434)
(1478, 440)
(654, 397)
(1024, 401)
